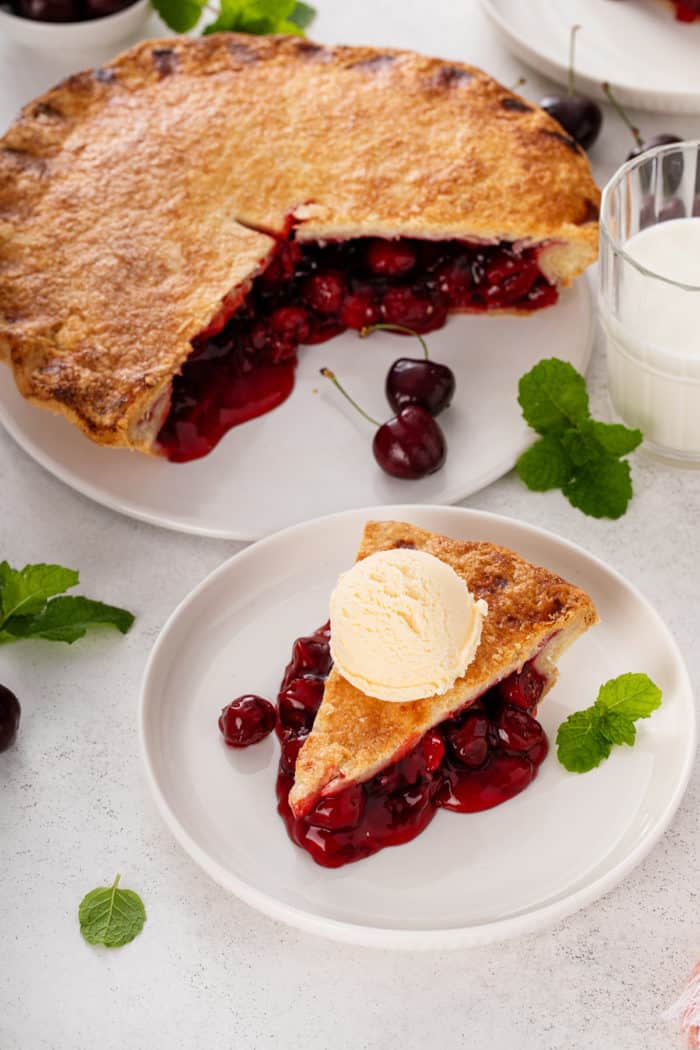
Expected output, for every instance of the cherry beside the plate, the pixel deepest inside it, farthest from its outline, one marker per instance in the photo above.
(577, 114)
(247, 720)
(415, 380)
(10, 712)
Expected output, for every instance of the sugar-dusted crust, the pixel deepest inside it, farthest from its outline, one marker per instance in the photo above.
(532, 613)
(131, 197)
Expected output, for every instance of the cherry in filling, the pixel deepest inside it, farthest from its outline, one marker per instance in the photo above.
(478, 758)
(687, 10)
(243, 364)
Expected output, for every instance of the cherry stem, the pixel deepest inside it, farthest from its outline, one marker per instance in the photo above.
(326, 372)
(518, 84)
(572, 53)
(622, 114)
(385, 327)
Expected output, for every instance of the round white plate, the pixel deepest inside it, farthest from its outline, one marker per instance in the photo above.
(469, 878)
(650, 59)
(313, 455)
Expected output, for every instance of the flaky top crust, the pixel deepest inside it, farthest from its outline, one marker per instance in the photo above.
(135, 197)
(530, 610)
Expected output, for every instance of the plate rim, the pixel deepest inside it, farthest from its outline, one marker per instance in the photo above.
(372, 936)
(93, 492)
(630, 94)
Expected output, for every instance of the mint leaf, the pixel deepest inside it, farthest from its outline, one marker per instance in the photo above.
(111, 916)
(581, 745)
(616, 727)
(587, 737)
(24, 592)
(303, 15)
(632, 695)
(256, 16)
(66, 619)
(553, 396)
(601, 489)
(615, 438)
(179, 15)
(545, 465)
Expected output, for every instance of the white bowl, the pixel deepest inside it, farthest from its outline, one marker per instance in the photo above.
(59, 37)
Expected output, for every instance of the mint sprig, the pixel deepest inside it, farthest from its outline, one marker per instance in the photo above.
(30, 608)
(575, 453)
(111, 916)
(244, 16)
(587, 737)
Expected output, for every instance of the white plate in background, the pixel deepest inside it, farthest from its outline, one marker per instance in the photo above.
(468, 878)
(651, 60)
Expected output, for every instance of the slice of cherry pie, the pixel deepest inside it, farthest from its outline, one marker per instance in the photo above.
(175, 224)
(358, 774)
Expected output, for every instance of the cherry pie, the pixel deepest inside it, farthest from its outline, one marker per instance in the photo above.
(357, 774)
(175, 224)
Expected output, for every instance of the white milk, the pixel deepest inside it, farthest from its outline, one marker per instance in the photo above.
(653, 342)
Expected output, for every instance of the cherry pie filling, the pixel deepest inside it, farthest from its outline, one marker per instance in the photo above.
(243, 364)
(476, 759)
(687, 10)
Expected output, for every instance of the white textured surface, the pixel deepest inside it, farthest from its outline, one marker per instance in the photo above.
(208, 971)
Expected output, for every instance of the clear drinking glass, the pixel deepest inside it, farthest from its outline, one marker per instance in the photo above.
(650, 298)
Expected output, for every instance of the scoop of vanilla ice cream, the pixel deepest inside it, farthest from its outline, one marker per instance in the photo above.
(404, 625)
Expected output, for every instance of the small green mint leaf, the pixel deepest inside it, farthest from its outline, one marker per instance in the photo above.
(602, 489)
(256, 17)
(615, 438)
(632, 695)
(581, 445)
(179, 15)
(303, 14)
(616, 727)
(581, 746)
(24, 592)
(545, 465)
(66, 619)
(111, 916)
(553, 396)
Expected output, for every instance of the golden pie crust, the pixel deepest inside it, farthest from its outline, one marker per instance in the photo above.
(533, 614)
(135, 197)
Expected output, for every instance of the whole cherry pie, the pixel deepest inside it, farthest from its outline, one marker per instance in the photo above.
(358, 774)
(175, 224)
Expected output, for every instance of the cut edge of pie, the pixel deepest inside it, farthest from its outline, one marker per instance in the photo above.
(132, 205)
(534, 615)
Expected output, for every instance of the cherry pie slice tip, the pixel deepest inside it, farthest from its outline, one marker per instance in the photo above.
(139, 201)
(534, 615)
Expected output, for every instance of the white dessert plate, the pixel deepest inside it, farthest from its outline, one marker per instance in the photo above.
(469, 878)
(650, 59)
(313, 455)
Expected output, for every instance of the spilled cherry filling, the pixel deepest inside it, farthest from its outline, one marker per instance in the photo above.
(243, 364)
(476, 759)
(687, 10)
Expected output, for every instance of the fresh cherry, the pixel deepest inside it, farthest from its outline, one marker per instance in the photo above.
(49, 10)
(410, 445)
(580, 116)
(98, 8)
(674, 208)
(416, 381)
(10, 712)
(247, 720)
(672, 164)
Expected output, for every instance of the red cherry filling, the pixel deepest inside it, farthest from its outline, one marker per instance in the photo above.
(242, 365)
(687, 10)
(475, 760)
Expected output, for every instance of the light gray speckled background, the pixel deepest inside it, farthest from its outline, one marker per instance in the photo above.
(209, 971)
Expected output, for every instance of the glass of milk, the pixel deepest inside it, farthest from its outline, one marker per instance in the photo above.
(650, 298)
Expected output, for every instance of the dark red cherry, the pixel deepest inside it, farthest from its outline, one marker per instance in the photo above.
(49, 10)
(696, 207)
(359, 310)
(517, 730)
(312, 655)
(469, 741)
(98, 8)
(523, 688)
(415, 381)
(343, 810)
(246, 720)
(410, 445)
(672, 209)
(299, 702)
(403, 306)
(580, 116)
(390, 258)
(10, 712)
(291, 747)
(647, 212)
(433, 747)
(325, 291)
(672, 165)
(292, 322)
